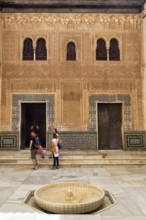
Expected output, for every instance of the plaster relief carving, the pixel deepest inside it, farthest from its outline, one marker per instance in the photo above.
(133, 20)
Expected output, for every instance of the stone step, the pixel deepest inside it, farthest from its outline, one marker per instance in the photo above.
(81, 156)
(76, 162)
(99, 156)
(78, 158)
(108, 156)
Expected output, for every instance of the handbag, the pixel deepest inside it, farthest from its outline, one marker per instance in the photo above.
(52, 148)
(40, 150)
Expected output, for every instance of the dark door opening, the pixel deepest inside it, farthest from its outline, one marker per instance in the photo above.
(110, 126)
(31, 112)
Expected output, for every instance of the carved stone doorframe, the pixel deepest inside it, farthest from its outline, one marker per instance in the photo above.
(17, 99)
(125, 99)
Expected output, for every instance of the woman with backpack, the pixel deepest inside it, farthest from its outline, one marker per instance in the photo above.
(59, 139)
(55, 152)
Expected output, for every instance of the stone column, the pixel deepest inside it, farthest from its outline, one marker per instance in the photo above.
(1, 26)
(144, 42)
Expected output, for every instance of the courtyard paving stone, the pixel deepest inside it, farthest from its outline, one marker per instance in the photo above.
(128, 185)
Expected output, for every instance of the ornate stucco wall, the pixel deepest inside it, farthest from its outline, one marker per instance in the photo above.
(1, 26)
(144, 61)
(72, 83)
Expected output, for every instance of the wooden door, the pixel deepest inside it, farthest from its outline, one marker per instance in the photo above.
(110, 126)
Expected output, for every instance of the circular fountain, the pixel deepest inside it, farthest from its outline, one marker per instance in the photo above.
(69, 198)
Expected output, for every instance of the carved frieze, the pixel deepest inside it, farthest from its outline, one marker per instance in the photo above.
(124, 21)
(111, 85)
(35, 85)
(111, 71)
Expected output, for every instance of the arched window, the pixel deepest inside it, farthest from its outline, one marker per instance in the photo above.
(101, 50)
(41, 51)
(28, 52)
(114, 52)
(71, 51)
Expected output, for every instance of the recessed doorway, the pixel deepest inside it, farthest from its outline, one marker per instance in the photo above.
(30, 113)
(109, 126)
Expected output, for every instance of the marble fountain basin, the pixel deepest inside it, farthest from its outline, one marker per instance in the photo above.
(69, 198)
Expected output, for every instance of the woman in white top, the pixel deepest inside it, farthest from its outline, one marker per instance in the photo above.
(56, 153)
(59, 139)
(56, 132)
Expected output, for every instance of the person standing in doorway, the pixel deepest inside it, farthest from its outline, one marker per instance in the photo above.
(35, 128)
(34, 150)
(56, 153)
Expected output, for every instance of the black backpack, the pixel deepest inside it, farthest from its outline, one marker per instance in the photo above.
(59, 146)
